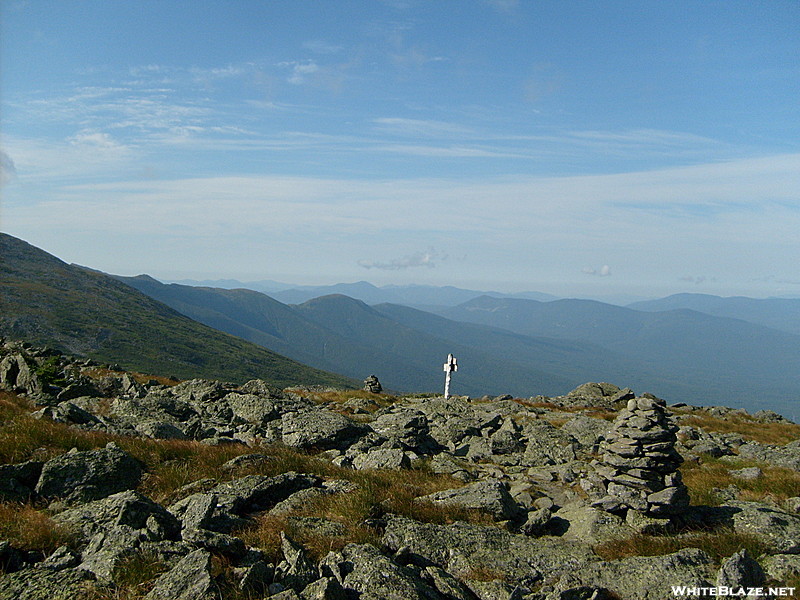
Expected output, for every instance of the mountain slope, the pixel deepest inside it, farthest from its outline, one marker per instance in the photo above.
(782, 314)
(79, 311)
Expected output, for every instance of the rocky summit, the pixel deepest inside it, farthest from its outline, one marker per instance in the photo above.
(122, 485)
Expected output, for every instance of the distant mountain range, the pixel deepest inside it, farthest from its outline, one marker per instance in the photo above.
(512, 345)
(520, 346)
(87, 313)
(782, 314)
(408, 295)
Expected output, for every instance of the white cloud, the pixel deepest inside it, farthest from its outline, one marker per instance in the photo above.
(604, 271)
(429, 258)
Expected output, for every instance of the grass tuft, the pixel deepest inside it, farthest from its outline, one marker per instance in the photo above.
(719, 544)
(746, 426)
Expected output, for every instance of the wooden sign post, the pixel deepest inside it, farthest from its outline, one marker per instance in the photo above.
(451, 366)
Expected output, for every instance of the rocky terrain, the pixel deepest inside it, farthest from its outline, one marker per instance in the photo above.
(119, 485)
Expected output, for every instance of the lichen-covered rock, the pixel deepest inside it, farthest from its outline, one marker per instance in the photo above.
(778, 529)
(643, 577)
(382, 458)
(320, 429)
(91, 475)
(374, 576)
(489, 496)
(259, 492)
(190, 579)
(740, 570)
(462, 549)
(46, 584)
(128, 508)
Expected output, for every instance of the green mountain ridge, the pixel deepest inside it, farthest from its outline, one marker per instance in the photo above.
(87, 313)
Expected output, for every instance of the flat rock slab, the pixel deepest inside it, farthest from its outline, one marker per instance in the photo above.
(462, 549)
(489, 496)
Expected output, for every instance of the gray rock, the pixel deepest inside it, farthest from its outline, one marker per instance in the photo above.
(107, 549)
(781, 567)
(363, 569)
(46, 584)
(372, 385)
(215, 542)
(748, 473)
(587, 431)
(18, 481)
(382, 458)
(160, 430)
(462, 549)
(495, 590)
(787, 456)
(297, 570)
(489, 496)
(129, 508)
(320, 429)
(547, 445)
(259, 492)
(740, 570)
(537, 522)
(407, 427)
(644, 578)
(326, 588)
(190, 579)
(778, 529)
(447, 585)
(590, 525)
(252, 408)
(84, 476)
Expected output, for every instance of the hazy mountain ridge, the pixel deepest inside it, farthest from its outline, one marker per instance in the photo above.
(782, 314)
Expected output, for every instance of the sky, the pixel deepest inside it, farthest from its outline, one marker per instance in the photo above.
(576, 148)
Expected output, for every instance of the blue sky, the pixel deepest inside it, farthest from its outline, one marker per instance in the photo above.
(576, 148)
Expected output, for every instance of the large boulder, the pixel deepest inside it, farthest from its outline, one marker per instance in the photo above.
(778, 529)
(91, 475)
(320, 429)
(488, 495)
(641, 577)
(190, 579)
(46, 584)
(373, 576)
(463, 549)
(259, 492)
(129, 508)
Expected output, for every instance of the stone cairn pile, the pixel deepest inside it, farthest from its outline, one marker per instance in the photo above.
(371, 384)
(640, 463)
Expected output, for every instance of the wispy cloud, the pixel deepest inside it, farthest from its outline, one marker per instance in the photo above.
(604, 271)
(8, 170)
(428, 258)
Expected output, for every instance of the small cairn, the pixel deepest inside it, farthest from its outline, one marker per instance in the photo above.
(640, 463)
(371, 384)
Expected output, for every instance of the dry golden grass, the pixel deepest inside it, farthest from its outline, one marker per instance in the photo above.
(378, 492)
(719, 544)
(750, 429)
(776, 483)
(29, 529)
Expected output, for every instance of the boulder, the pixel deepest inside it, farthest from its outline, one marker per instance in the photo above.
(46, 584)
(259, 492)
(740, 570)
(17, 481)
(190, 579)
(778, 529)
(129, 508)
(641, 577)
(463, 549)
(320, 429)
(372, 576)
(91, 475)
(489, 496)
(382, 458)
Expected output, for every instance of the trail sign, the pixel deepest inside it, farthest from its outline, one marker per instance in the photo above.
(451, 366)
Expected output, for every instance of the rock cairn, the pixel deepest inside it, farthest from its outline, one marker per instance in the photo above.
(640, 463)
(371, 384)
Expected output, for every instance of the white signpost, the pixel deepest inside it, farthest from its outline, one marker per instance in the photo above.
(451, 366)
